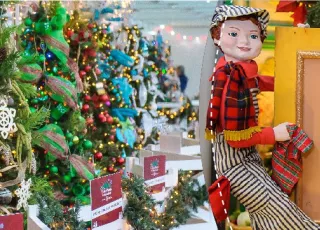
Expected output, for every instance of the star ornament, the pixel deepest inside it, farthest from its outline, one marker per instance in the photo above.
(24, 194)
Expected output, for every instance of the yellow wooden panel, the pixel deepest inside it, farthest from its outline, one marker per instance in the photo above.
(288, 41)
(270, 6)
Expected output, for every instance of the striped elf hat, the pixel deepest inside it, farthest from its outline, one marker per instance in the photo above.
(224, 11)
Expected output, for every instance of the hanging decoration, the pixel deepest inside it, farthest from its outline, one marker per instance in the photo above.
(7, 116)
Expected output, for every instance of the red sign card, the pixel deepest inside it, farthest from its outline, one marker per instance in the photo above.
(154, 172)
(106, 202)
(12, 222)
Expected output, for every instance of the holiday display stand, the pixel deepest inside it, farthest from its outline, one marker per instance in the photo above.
(34, 223)
(180, 155)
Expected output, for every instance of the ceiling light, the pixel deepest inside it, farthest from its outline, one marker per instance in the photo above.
(172, 32)
(162, 27)
(184, 37)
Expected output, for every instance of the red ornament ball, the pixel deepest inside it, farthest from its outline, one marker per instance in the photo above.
(87, 68)
(89, 121)
(102, 118)
(120, 160)
(69, 33)
(110, 120)
(90, 26)
(85, 108)
(110, 169)
(82, 73)
(87, 98)
(104, 97)
(113, 131)
(98, 71)
(98, 155)
(111, 137)
(92, 53)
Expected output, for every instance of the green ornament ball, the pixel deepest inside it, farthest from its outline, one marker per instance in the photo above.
(66, 178)
(78, 190)
(42, 58)
(28, 22)
(84, 200)
(55, 69)
(35, 101)
(87, 144)
(75, 140)
(70, 144)
(33, 110)
(69, 136)
(53, 169)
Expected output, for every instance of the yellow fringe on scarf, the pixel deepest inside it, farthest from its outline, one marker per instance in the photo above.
(210, 135)
(245, 134)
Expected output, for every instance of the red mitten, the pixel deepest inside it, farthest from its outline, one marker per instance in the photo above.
(220, 203)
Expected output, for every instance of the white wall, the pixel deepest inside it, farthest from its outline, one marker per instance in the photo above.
(189, 54)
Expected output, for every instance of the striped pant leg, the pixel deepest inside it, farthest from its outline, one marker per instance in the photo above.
(269, 208)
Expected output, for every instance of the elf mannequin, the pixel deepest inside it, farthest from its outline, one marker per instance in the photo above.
(232, 120)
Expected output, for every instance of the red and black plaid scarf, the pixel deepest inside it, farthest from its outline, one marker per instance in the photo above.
(239, 114)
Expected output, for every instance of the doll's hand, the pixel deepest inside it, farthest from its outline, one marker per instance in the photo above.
(281, 132)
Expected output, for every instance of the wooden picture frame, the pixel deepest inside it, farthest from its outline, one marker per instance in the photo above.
(307, 114)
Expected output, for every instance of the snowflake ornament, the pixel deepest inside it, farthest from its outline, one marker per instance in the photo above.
(7, 115)
(24, 194)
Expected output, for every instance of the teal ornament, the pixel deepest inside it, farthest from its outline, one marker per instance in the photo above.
(55, 69)
(43, 98)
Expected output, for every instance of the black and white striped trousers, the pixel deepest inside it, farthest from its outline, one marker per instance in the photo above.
(268, 206)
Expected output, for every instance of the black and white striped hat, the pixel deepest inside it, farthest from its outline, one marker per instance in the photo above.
(225, 11)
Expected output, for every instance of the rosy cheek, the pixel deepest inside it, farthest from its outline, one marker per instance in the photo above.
(229, 41)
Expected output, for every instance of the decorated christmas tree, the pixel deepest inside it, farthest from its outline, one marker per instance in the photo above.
(106, 99)
(62, 150)
(18, 125)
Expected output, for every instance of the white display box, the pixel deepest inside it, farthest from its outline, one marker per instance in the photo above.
(34, 223)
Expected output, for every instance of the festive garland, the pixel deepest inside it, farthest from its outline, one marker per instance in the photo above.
(140, 210)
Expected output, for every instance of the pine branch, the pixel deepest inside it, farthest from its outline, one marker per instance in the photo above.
(28, 90)
(7, 67)
(6, 33)
(36, 119)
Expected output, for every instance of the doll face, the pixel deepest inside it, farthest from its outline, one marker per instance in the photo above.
(240, 40)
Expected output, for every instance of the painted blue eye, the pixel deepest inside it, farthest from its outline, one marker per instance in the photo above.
(253, 36)
(233, 34)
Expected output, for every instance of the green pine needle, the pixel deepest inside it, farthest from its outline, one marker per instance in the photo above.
(27, 89)
(313, 16)
(36, 119)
